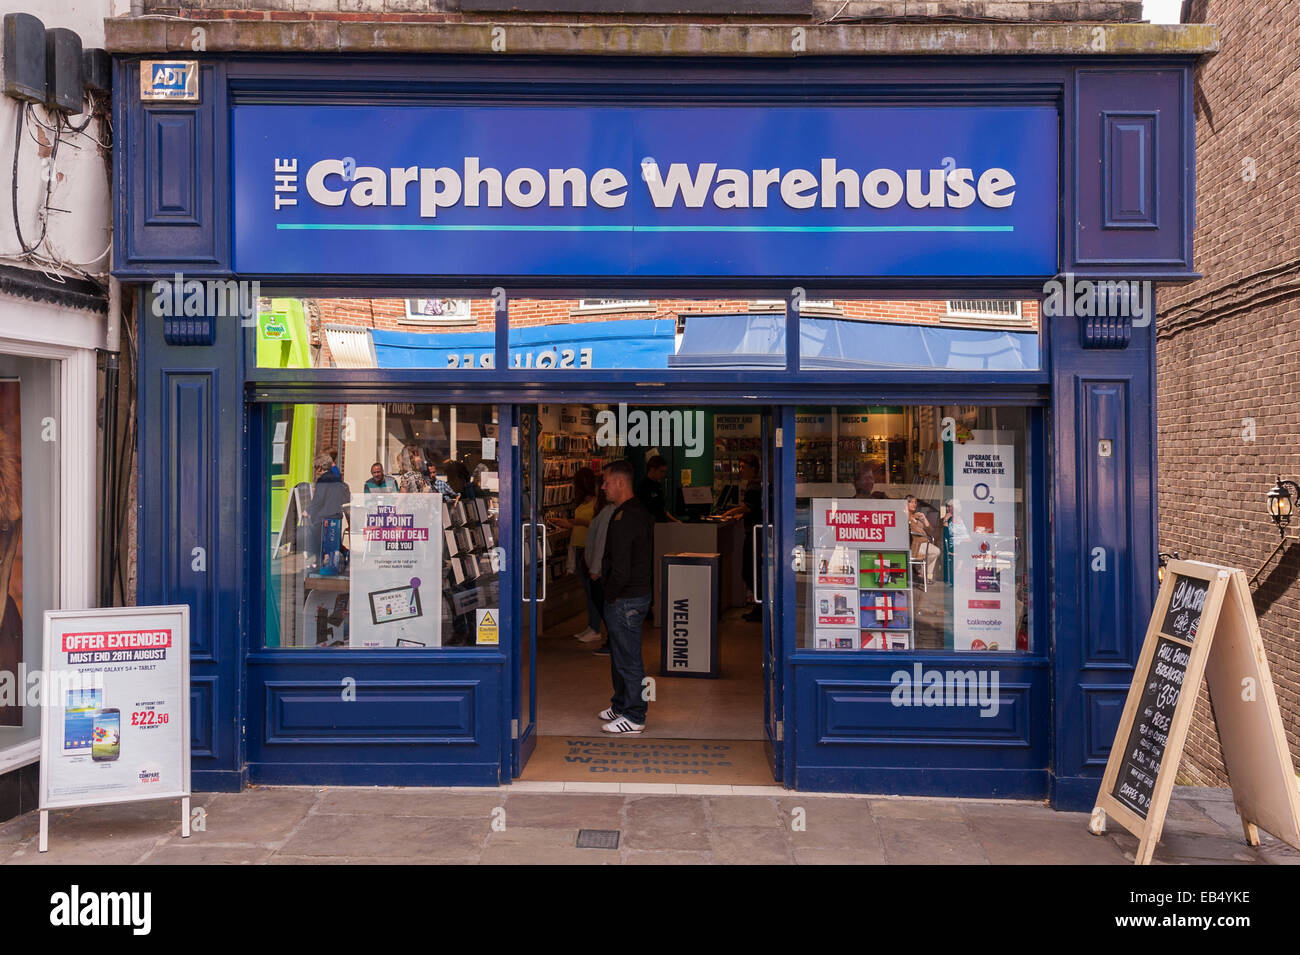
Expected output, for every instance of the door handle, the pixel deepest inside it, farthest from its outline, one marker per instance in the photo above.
(545, 531)
(753, 556)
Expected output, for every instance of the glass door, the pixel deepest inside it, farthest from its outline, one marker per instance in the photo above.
(767, 572)
(531, 556)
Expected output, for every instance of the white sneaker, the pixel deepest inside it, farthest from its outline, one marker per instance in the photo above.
(607, 715)
(587, 636)
(623, 727)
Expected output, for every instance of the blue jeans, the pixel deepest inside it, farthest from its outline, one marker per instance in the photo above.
(624, 618)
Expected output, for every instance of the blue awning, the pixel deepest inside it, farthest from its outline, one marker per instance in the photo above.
(639, 343)
(832, 343)
(732, 341)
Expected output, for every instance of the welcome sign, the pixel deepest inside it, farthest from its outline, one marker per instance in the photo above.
(707, 191)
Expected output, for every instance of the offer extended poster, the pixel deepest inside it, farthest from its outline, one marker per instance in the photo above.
(984, 549)
(396, 587)
(115, 695)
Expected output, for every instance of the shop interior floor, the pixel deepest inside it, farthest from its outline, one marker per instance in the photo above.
(573, 685)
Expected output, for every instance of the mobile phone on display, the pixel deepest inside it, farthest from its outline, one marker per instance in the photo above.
(106, 736)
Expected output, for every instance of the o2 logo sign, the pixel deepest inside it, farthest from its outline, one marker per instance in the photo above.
(169, 80)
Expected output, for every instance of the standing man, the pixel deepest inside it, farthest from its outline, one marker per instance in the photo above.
(651, 490)
(626, 576)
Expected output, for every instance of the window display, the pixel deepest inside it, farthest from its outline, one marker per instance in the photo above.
(383, 522)
(920, 543)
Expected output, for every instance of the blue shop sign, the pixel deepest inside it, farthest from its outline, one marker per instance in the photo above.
(696, 191)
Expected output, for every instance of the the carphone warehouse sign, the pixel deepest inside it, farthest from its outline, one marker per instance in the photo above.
(693, 191)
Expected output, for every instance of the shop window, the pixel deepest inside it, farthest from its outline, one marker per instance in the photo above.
(451, 333)
(912, 525)
(886, 335)
(664, 334)
(29, 534)
(383, 525)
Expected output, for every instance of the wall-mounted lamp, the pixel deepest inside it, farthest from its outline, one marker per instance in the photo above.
(1165, 558)
(1281, 502)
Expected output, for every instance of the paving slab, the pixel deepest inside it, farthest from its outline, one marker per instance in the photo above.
(744, 811)
(804, 855)
(740, 845)
(170, 854)
(408, 802)
(930, 810)
(667, 857)
(544, 855)
(1011, 841)
(831, 824)
(396, 838)
(257, 816)
(579, 810)
(936, 842)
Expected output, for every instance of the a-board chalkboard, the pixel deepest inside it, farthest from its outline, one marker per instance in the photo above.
(1203, 626)
(1186, 602)
(1136, 782)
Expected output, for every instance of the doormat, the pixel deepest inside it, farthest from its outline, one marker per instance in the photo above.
(726, 762)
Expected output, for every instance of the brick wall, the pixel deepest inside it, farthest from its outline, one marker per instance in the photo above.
(1227, 344)
(1111, 11)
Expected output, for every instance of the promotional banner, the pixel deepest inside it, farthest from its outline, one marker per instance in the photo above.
(396, 587)
(984, 544)
(800, 191)
(115, 723)
(862, 574)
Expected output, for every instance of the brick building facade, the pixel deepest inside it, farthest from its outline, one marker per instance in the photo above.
(1225, 378)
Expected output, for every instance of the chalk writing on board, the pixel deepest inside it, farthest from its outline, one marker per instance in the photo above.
(1144, 753)
(1186, 602)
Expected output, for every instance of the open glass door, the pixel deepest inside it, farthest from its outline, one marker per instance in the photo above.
(532, 555)
(767, 553)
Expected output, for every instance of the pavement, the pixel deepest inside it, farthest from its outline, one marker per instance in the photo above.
(538, 823)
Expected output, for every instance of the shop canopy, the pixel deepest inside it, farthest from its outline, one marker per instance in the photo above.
(740, 341)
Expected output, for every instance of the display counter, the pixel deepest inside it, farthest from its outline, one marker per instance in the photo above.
(708, 537)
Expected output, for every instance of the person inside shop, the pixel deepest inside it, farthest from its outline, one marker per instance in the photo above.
(864, 482)
(458, 479)
(412, 476)
(924, 547)
(750, 510)
(329, 497)
(595, 553)
(448, 492)
(626, 573)
(584, 494)
(380, 483)
(651, 490)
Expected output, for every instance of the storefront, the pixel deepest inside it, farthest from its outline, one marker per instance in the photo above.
(774, 205)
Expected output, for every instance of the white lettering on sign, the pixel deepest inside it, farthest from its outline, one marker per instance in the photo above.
(682, 185)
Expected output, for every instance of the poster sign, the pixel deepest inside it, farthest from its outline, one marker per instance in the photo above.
(1203, 626)
(984, 544)
(396, 587)
(115, 718)
(487, 631)
(689, 636)
(862, 573)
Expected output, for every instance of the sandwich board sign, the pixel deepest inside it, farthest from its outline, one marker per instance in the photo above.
(1203, 627)
(115, 709)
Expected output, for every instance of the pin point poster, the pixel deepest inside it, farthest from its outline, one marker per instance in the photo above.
(396, 587)
(984, 557)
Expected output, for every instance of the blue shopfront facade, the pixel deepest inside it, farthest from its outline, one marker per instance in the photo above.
(839, 178)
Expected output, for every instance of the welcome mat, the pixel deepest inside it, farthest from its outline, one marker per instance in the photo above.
(725, 762)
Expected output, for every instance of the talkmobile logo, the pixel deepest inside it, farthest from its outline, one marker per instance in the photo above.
(74, 907)
(651, 429)
(1064, 296)
(178, 298)
(923, 687)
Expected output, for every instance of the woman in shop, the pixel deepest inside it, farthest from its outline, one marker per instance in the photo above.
(588, 503)
(750, 509)
(923, 546)
(329, 497)
(412, 478)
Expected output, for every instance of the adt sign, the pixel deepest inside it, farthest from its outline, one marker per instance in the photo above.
(169, 79)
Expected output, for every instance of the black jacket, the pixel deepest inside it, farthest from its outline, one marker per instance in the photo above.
(627, 566)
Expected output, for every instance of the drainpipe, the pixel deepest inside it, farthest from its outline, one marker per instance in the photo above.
(109, 479)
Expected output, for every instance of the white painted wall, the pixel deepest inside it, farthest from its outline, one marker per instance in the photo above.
(80, 181)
